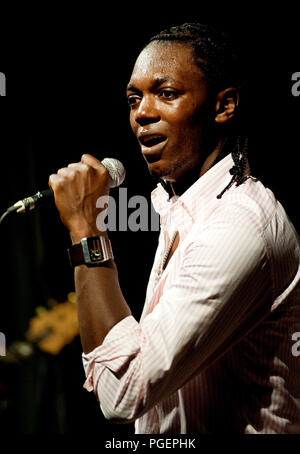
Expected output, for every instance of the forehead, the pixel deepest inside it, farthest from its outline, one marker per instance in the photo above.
(167, 59)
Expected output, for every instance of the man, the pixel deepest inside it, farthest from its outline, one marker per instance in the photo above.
(212, 351)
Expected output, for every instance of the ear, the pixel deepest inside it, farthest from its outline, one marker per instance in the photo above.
(226, 104)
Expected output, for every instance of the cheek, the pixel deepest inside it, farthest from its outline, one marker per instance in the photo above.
(188, 117)
(188, 132)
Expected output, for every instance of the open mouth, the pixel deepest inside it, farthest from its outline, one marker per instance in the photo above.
(152, 140)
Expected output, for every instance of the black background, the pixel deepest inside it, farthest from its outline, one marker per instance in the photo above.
(66, 72)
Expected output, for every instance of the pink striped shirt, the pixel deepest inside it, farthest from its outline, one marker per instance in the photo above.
(213, 349)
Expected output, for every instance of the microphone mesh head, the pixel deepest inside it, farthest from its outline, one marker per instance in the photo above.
(116, 171)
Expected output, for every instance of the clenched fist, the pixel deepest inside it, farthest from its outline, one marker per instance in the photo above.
(76, 190)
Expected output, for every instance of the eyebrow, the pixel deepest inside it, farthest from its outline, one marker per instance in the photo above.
(156, 83)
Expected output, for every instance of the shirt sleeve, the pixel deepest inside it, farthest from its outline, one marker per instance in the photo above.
(218, 296)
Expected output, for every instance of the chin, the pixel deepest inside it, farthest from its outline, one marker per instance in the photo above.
(167, 172)
(155, 169)
(160, 174)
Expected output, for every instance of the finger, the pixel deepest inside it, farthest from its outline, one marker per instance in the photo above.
(73, 169)
(75, 165)
(91, 161)
(79, 167)
(64, 171)
(54, 180)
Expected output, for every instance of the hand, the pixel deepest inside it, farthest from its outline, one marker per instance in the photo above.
(76, 190)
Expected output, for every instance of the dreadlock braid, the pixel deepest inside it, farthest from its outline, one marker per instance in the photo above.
(239, 155)
(214, 55)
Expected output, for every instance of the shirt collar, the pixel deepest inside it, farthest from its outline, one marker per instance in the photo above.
(185, 209)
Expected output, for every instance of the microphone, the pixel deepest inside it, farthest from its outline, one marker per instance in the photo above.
(116, 171)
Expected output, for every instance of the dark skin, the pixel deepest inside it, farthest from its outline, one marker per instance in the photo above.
(168, 97)
(169, 103)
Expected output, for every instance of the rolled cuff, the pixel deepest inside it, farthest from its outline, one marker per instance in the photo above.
(120, 344)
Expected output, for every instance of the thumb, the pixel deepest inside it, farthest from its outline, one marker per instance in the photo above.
(91, 161)
(98, 167)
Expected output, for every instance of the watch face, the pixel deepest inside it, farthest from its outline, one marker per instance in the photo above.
(95, 249)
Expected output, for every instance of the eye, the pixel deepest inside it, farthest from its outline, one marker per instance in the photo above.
(132, 100)
(168, 94)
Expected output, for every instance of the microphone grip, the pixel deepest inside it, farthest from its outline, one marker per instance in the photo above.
(116, 172)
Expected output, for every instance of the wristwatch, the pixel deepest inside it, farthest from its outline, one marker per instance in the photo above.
(91, 251)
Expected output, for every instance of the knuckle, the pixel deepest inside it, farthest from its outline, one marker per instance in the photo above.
(55, 181)
(85, 168)
(61, 171)
(78, 168)
(84, 158)
(51, 179)
(73, 165)
(67, 173)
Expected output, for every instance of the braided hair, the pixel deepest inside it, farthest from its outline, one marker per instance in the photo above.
(214, 55)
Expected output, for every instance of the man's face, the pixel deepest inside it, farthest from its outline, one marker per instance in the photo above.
(169, 110)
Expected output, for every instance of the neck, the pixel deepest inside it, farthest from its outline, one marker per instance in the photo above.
(179, 187)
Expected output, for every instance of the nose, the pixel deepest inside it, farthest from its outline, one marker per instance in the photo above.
(147, 113)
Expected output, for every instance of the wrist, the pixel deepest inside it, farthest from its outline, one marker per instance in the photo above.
(77, 236)
(85, 231)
